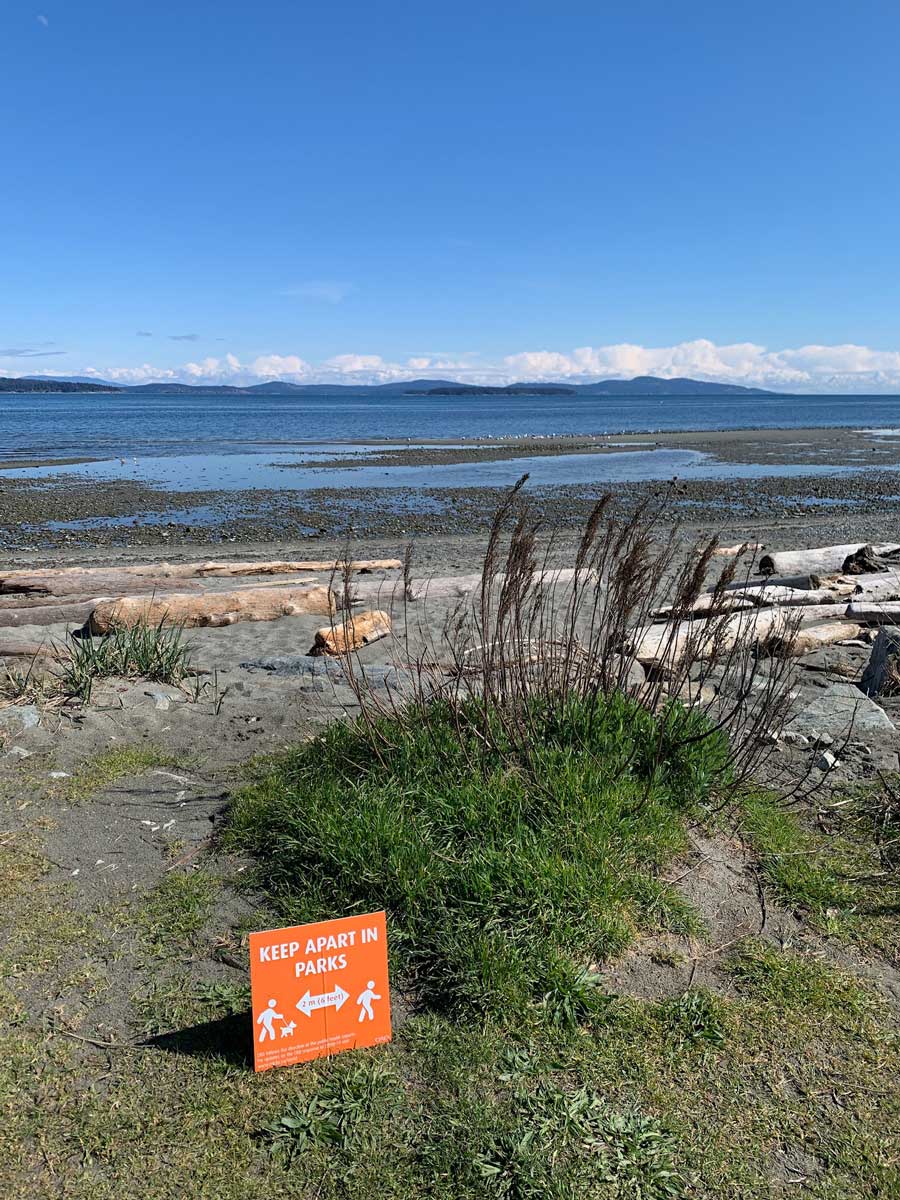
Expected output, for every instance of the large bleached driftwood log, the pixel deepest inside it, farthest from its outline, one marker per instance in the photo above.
(881, 668)
(866, 612)
(883, 585)
(62, 581)
(352, 634)
(104, 582)
(804, 583)
(788, 597)
(826, 560)
(665, 645)
(710, 603)
(805, 641)
(65, 613)
(454, 587)
(210, 609)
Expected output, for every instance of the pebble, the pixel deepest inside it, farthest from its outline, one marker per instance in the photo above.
(826, 761)
(17, 752)
(795, 739)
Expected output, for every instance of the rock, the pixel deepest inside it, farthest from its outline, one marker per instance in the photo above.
(19, 717)
(826, 761)
(829, 715)
(795, 739)
(882, 664)
(845, 661)
(319, 674)
(17, 752)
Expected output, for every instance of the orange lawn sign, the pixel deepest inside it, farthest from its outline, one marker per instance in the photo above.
(319, 989)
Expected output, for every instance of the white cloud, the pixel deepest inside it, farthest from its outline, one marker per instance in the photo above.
(811, 368)
(807, 368)
(277, 366)
(329, 291)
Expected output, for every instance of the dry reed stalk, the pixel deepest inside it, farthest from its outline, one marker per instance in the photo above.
(524, 640)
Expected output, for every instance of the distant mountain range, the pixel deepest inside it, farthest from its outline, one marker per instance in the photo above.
(643, 385)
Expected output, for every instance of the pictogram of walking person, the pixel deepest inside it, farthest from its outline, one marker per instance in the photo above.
(365, 1002)
(267, 1018)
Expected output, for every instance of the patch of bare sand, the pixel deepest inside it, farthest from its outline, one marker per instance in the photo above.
(719, 879)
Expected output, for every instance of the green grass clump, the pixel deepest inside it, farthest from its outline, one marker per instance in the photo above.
(176, 910)
(797, 983)
(839, 877)
(696, 1018)
(506, 881)
(108, 768)
(157, 653)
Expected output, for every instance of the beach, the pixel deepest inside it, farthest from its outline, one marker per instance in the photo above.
(117, 803)
(823, 484)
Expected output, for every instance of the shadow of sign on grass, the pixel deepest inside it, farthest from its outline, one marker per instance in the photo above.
(228, 1038)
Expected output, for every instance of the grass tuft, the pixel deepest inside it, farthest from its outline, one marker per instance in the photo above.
(840, 873)
(505, 885)
(154, 652)
(108, 768)
(696, 1018)
(797, 983)
(177, 909)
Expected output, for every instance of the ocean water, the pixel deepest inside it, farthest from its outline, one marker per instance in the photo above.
(276, 470)
(59, 425)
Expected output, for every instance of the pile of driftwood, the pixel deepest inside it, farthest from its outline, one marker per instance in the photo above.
(801, 600)
(103, 599)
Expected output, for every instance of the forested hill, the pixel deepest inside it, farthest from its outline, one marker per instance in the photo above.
(55, 385)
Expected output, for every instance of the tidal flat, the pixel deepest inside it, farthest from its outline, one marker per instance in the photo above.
(841, 482)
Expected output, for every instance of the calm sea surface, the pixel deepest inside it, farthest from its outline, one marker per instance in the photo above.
(94, 425)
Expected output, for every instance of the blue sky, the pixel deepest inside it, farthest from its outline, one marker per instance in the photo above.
(220, 190)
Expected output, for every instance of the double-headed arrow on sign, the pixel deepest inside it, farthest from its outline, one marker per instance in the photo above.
(334, 999)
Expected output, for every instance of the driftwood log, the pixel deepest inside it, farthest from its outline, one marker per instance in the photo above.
(707, 605)
(740, 548)
(872, 558)
(210, 609)
(65, 612)
(885, 585)
(63, 581)
(667, 644)
(106, 582)
(710, 603)
(873, 613)
(805, 583)
(454, 587)
(352, 634)
(826, 560)
(881, 669)
(805, 641)
(26, 650)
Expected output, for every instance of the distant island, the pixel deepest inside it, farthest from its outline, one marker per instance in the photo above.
(58, 385)
(643, 385)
